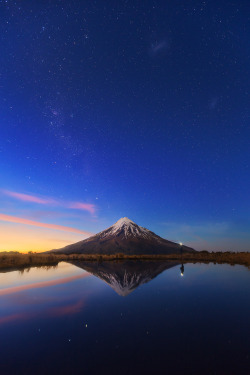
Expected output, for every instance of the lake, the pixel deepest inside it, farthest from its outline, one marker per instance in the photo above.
(125, 318)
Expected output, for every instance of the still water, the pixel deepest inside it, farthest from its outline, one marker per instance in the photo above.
(125, 318)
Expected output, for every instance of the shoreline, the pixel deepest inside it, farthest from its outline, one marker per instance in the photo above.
(11, 262)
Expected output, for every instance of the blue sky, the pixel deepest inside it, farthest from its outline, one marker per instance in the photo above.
(137, 109)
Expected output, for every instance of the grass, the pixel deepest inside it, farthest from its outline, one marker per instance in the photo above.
(15, 260)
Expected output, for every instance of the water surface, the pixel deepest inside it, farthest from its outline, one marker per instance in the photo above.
(125, 318)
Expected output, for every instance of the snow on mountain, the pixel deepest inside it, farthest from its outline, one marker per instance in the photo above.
(124, 277)
(129, 228)
(124, 237)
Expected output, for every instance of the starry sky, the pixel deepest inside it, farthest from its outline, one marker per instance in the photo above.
(124, 108)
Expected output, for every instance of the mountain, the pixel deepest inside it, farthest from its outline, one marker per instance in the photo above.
(125, 276)
(124, 237)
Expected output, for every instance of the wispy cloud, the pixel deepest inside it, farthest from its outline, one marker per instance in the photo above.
(42, 284)
(28, 198)
(91, 208)
(213, 103)
(19, 220)
(13, 318)
(216, 228)
(54, 312)
(158, 47)
(201, 236)
(67, 310)
(83, 206)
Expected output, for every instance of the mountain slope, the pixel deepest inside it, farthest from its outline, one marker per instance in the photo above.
(124, 237)
(125, 276)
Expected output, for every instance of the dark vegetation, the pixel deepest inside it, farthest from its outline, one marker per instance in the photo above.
(16, 260)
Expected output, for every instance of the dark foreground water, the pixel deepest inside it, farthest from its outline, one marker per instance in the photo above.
(125, 318)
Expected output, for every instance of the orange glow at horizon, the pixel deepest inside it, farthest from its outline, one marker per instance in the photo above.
(23, 238)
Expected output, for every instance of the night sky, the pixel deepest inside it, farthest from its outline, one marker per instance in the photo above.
(124, 108)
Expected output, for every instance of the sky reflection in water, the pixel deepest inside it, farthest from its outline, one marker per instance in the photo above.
(69, 321)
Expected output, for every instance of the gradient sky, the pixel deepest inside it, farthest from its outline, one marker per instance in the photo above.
(124, 108)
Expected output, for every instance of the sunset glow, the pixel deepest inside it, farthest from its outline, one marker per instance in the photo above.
(18, 234)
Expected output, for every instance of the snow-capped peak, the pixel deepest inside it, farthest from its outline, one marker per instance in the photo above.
(126, 228)
(124, 221)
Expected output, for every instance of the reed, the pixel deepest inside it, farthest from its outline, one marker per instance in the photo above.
(15, 260)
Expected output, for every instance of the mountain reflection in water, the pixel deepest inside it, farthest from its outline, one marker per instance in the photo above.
(125, 276)
(71, 322)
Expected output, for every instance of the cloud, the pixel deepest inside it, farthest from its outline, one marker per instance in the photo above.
(83, 206)
(54, 312)
(216, 228)
(27, 198)
(91, 208)
(212, 236)
(159, 47)
(19, 220)
(42, 284)
(68, 309)
(13, 318)
(198, 235)
(213, 103)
